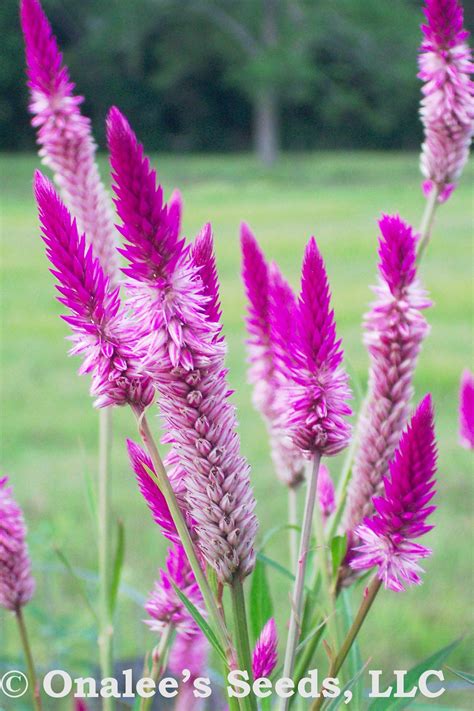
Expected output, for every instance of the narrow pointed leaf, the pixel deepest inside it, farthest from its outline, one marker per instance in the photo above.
(261, 605)
(117, 567)
(80, 587)
(339, 701)
(201, 623)
(433, 662)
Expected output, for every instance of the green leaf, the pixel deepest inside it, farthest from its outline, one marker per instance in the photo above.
(338, 551)
(335, 703)
(201, 622)
(261, 605)
(274, 564)
(81, 589)
(462, 675)
(433, 662)
(354, 658)
(117, 567)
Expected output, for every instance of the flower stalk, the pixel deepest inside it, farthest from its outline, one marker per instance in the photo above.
(30, 665)
(103, 523)
(427, 221)
(369, 596)
(242, 638)
(159, 661)
(297, 601)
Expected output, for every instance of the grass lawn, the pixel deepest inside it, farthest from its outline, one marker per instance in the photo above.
(49, 430)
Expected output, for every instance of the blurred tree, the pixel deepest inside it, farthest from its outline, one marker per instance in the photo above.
(210, 75)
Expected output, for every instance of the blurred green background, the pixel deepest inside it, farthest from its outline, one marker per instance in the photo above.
(325, 76)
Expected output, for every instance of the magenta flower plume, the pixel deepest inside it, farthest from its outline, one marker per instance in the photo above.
(271, 311)
(101, 333)
(188, 652)
(447, 107)
(65, 137)
(466, 410)
(173, 292)
(325, 490)
(164, 606)
(314, 403)
(255, 275)
(265, 654)
(16, 582)
(141, 465)
(394, 331)
(387, 539)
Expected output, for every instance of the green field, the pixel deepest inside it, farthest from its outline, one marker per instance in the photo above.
(49, 429)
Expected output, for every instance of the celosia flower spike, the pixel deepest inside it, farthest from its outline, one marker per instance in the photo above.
(315, 402)
(65, 137)
(142, 465)
(271, 311)
(387, 538)
(394, 331)
(16, 582)
(101, 333)
(325, 490)
(466, 410)
(173, 291)
(447, 107)
(202, 255)
(164, 606)
(255, 275)
(188, 652)
(265, 655)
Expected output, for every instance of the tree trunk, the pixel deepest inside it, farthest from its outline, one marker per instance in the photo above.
(266, 126)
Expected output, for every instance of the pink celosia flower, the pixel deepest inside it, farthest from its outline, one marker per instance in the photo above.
(265, 654)
(387, 539)
(447, 107)
(394, 331)
(466, 410)
(16, 582)
(65, 137)
(150, 491)
(173, 294)
(164, 606)
(325, 489)
(271, 315)
(101, 332)
(189, 653)
(314, 402)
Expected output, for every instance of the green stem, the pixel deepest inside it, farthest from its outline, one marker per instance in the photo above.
(337, 662)
(242, 638)
(427, 221)
(293, 522)
(297, 602)
(167, 491)
(103, 539)
(328, 592)
(159, 656)
(33, 682)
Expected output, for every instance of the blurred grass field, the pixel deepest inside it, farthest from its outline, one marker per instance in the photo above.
(49, 430)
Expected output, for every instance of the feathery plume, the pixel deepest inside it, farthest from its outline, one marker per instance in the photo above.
(101, 332)
(16, 582)
(270, 320)
(188, 652)
(466, 410)
(394, 331)
(325, 490)
(314, 401)
(447, 106)
(65, 137)
(265, 655)
(387, 539)
(173, 291)
(164, 606)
